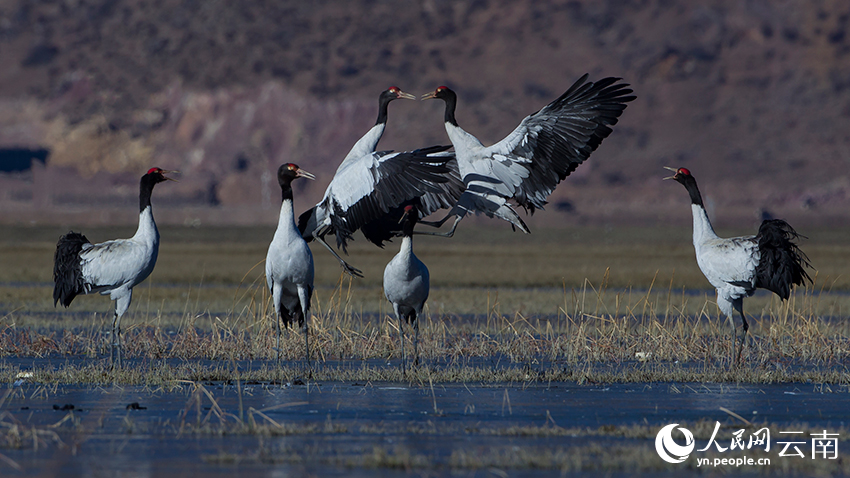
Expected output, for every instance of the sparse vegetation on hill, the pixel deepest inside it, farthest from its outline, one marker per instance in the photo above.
(748, 94)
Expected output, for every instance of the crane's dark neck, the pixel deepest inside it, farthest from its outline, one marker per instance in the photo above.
(451, 103)
(383, 104)
(409, 223)
(691, 185)
(145, 188)
(286, 191)
(407, 228)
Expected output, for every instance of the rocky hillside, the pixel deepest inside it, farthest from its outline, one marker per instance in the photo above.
(754, 97)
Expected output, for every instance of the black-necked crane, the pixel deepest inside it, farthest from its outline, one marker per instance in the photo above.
(112, 267)
(289, 263)
(737, 266)
(536, 156)
(407, 283)
(367, 184)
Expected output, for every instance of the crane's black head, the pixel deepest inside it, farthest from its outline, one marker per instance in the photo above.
(442, 93)
(157, 175)
(446, 94)
(286, 173)
(151, 178)
(391, 93)
(683, 176)
(395, 93)
(409, 219)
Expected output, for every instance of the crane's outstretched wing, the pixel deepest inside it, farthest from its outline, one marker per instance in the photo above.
(368, 188)
(443, 195)
(552, 142)
(384, 228)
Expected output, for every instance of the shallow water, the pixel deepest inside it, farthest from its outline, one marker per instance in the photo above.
(335, 423)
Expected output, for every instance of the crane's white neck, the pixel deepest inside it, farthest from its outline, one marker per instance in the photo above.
(147, 230)
(463, 142)
(406, 249)
(367, 143)
(286, 222)
(702, 226)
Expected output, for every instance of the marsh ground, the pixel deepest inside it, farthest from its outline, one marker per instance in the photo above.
(563, 313)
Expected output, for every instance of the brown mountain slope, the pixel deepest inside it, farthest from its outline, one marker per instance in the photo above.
(754, 97)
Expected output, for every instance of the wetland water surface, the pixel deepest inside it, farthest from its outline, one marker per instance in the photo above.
(389, 429)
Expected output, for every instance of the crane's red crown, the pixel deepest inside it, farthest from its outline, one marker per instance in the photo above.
(683, 171)
(408, 208)
(154, 170)
(394, 89)
(292, 167)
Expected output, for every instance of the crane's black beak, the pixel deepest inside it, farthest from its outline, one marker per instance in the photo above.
(304, 174)
(671, 169)
(405, 96)
(429, 96)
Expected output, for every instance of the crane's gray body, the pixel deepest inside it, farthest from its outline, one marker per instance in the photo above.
(729, 264)
(289, 267)
(406, 282)
(115, 267)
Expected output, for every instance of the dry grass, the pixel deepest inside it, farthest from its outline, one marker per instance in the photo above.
(633, 322)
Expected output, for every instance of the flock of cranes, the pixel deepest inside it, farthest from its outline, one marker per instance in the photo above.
(385, 194)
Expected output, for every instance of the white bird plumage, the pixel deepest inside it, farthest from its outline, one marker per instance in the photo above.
(407, 283)
(545, 148)
(367, 184)
(737, 266)
(289, 263)
(111, 267)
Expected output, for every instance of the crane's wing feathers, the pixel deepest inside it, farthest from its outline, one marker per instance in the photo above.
(380, 181)
(388, 225)
(447, 193)
(552, 142)
(109, 264)
(730, 261)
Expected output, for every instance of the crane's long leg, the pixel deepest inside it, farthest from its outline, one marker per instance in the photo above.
(112, 340)
(351, 270)
(307, 346)
(400, 317)
(450, 233)
(277, 320)
(122, 303)
(304, 300)
(437, 223)
(728, 305)
(277, 291)
(416, 341)
(739, 306)
(734, 341)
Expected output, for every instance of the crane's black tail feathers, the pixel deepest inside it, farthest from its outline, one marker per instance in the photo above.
(67, 270)
(782, 262)
(296, 315)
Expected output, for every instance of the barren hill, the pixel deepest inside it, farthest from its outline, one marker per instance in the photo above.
(754, 97)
